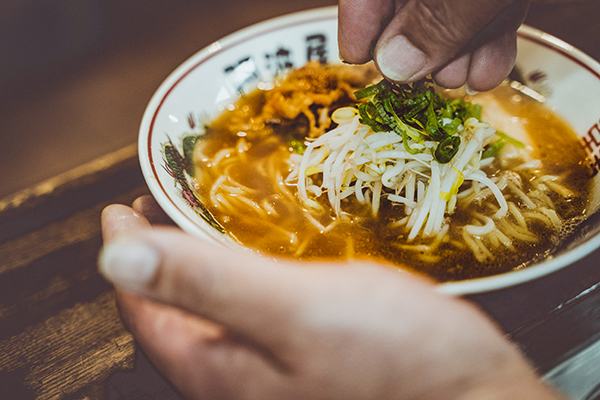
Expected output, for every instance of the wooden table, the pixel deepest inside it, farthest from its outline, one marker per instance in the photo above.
(60, 334)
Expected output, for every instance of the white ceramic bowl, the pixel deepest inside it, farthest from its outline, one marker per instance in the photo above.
(214, 77)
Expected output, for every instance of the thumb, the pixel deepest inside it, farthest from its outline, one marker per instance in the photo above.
(205, 279)
(426, 35)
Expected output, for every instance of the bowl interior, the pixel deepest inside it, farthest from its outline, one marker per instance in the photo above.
(214, 77)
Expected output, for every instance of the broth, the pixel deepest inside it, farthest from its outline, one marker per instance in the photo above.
(244, 157)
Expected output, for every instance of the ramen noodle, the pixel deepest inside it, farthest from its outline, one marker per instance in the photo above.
(324, 167)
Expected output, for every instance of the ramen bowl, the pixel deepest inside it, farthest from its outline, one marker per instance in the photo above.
(215, 77)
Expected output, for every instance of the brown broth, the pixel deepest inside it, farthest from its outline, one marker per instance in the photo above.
(275, 222)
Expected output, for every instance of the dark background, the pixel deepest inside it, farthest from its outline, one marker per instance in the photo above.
(75, 75)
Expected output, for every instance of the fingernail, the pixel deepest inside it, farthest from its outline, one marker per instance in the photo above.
(438, 86)
(469, 91)
(129, 265)
(399, 60)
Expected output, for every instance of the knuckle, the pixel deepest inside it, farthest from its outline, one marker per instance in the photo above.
(434, 19)
(450, 23)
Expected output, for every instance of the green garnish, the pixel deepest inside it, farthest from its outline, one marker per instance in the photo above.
(447, 149)
(493, 149)
(297, 146)
(510, 140)
(416, 112)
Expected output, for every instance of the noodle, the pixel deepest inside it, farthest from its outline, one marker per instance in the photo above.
(292, 171)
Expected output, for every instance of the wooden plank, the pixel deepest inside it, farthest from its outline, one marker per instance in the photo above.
(60, 333)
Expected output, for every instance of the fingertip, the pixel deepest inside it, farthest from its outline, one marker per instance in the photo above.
(118, 219)
(163, 264)
(492, 62)
(399, 60)
(352, 54)
(114, 211)
(454, 74)
(129, 263)
(470, 91)
(148, 207)
(141, 202)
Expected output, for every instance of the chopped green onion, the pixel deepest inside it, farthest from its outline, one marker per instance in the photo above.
(511, 140)
(415, 112)
(407, 146)
(493, 149)
(371, 90)
(297, 146)
(447, 149)
(433, 127)
(452, 127)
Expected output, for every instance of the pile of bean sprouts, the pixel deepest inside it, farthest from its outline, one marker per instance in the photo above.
(352, 160)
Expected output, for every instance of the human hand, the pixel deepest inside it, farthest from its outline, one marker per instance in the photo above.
(459, 42)
(221, 324)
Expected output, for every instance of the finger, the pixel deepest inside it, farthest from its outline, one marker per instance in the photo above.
(427, 34)
(149, 208)
(492, 62)
(118, 219)
(454, 74)
(183, 282)
(167, 332)
(206, 279)
(360, 22)
(493, 55)
(195, 355)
